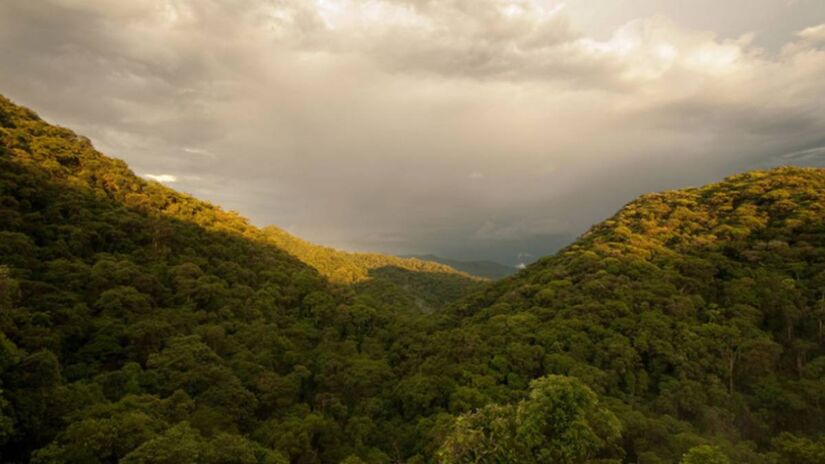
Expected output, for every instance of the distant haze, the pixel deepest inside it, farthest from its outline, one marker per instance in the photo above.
(472, 129)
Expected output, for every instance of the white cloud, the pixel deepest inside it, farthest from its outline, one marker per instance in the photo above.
(163, 178)
(814, 33)
(198, 152)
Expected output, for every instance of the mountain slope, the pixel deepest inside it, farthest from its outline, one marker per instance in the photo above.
(136, 321)
(104, 275)
(697, 312)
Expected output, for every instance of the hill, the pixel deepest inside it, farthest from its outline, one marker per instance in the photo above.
(697, 314)
(485, 269)
(134, 318)
(141, 325)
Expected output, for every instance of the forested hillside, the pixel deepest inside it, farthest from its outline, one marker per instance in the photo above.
(139, 322)
(141, 325)
(697, 314)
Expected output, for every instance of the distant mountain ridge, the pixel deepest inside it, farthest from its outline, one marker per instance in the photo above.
(350, 267)
(486, 269)
(425, 284)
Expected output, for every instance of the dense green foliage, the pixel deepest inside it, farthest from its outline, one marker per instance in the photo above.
(141, 325)
(135, 319)
(561, 421)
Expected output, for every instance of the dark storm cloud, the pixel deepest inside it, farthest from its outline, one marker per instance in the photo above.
(484, 128)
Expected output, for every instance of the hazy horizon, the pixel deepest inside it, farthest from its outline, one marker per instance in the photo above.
(474, 130)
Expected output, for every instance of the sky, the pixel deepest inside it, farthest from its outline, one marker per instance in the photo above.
(472, 129)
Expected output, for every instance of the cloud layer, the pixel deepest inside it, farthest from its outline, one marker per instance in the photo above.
(471, 128)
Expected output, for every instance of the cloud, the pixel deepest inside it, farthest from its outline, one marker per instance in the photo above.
(810, 155)
(350, 120)
(163, 178)
(197, 151)
(814, 33)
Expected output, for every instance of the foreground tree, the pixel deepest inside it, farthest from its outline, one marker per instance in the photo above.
(705, 454)
(561, 421)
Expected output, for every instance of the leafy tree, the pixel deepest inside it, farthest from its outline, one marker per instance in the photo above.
(178, 445)
(799, 450)
(560, 421)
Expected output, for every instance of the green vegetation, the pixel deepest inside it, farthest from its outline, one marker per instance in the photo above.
(560, 421)
(696, 313)
(141, 325)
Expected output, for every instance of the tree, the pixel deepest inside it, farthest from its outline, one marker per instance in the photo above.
(485, 436)
(799, 450)
(177, 445)
(561, 421)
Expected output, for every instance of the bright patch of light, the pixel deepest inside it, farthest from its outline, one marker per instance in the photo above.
(164, 178)
(329, 11)
(512, 10)
(618, 45)
(666, 52)
(713, 58)
(196, 151)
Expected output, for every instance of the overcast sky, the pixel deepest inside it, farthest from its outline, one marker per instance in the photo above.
(468, 128)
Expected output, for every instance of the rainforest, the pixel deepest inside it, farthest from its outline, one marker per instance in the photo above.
(142, 325)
